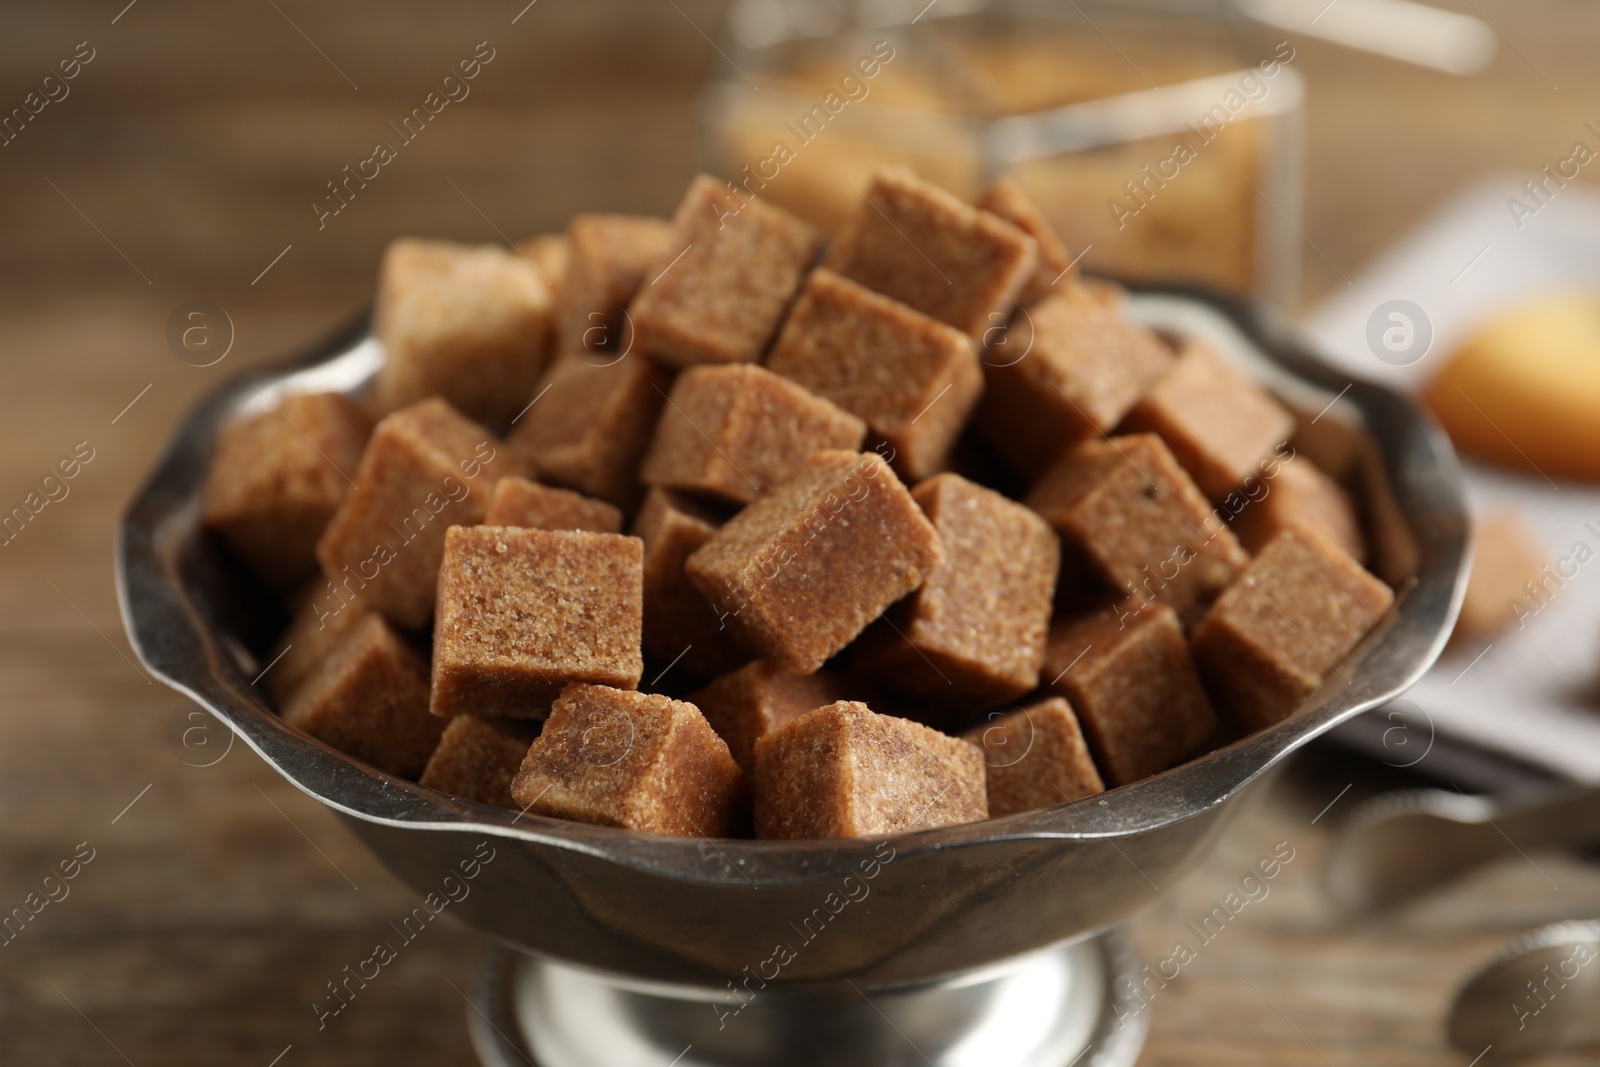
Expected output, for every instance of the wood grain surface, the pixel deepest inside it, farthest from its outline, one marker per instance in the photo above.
(182, 166)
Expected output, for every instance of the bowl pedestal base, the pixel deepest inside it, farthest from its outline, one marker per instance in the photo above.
(1067, 1006)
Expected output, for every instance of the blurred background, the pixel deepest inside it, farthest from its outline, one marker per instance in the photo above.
(189, 157)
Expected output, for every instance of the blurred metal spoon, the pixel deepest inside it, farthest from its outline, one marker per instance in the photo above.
(1404, 844)
(1541, 993)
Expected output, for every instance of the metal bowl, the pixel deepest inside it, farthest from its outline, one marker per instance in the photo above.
(657, 912)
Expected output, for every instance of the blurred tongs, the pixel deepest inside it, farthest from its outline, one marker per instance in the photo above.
(1401, 845)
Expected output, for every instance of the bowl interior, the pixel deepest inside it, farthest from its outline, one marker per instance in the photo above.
(198, 621)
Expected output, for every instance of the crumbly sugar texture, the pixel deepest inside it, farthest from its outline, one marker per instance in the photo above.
(1103, 291)
(369, 700)
(844, 771)
(1137, 518)
(1005, 198)
(1285, 625)
(913, 379)
(735, 431)
(1069, 368)
(426, 468)
(634, 760)
(521, 502)
(758, 698)
(277, 477)
(720, 289)
(478, 757)
(1127, 672)
(1221, 425)
(470, 323)
(1036, 757)
(801, 572)
(523, 613)
(608, 257)
(925, 248)
(927, 465)
(1298, 493)
(975, 630)
(680, 626)
(590, 422)
(548, 254)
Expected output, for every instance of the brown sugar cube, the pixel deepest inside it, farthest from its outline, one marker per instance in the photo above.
(520, 502)
(369, 700)
(913, 380)
(590, 423)
(607, 260)
(1104, 291)
(1006, 199)
(524, 612)
(470, 323)
(1070, 369)
(1129, 676)
(759, 698)
(843, 771)
(1036, 757)
(718, 295)
(477, 757)
(918, 244)
(679, 625)
(735, 431)
(1219, 423)
(548, 254)
(1298, 493)
(799, 573)
(975, 631)
(1137, 518)
(427, 468)
(634, 760)
(1506, 557)
(1285, 625)
(277, 477)
(326, 616)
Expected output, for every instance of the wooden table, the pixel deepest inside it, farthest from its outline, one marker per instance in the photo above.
(182, 166)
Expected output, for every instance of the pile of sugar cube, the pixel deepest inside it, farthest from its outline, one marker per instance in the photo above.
(922, 529)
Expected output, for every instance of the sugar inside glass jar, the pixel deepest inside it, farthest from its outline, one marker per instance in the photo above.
(1162, 139)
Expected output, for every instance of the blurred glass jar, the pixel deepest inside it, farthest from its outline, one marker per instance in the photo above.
(1162, 139)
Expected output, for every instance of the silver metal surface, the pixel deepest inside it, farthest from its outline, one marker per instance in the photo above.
(1074, 1004)
(920, 907)
(1402, 845)
(1541, 994)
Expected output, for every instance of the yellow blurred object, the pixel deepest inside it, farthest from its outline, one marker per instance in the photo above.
(1524, 391)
